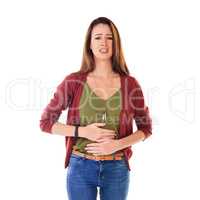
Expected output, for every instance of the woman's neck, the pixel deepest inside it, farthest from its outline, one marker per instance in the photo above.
(103, 69)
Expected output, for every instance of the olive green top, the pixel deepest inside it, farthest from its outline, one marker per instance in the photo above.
(93, 108)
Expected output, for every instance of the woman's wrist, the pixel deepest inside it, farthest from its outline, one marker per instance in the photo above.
(82, 132)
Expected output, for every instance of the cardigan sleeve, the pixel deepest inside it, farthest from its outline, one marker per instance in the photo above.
(59, 102)
(142, 117)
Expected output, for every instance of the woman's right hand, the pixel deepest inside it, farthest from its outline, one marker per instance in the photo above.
(94, 133)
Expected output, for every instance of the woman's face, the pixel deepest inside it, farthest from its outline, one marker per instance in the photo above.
(101, 42)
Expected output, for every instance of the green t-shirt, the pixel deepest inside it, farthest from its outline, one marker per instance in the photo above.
(94, 109)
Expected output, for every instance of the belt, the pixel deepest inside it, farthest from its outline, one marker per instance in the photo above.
(116, 156)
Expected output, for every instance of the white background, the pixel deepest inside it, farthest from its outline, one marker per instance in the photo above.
(41, 42)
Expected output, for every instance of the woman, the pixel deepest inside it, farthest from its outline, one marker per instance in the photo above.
(102, 101)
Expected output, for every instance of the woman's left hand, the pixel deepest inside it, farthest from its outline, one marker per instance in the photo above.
(103, 147)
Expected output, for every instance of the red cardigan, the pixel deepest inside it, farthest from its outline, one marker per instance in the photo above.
(68, 94)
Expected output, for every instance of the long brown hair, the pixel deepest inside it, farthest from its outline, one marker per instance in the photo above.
(118, 62)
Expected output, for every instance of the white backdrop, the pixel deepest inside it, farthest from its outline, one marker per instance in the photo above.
(41, 42)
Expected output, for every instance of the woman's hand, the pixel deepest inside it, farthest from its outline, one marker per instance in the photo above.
(103, 147)
(94, 133)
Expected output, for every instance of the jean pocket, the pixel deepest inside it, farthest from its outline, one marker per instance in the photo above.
(75, 158)
(122, 163)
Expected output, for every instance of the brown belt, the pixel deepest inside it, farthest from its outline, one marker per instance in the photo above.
(116, 156)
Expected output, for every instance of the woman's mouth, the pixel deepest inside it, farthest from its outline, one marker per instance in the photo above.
(103, 50)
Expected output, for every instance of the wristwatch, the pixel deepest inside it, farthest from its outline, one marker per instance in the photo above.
(76, 131)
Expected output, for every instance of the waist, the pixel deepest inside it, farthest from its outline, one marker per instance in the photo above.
(115, 156)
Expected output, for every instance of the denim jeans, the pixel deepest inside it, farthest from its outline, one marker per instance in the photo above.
(85, 175)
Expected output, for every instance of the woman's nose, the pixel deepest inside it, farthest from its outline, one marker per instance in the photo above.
(104, 41)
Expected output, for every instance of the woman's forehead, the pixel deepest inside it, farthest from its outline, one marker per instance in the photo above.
(101, 29)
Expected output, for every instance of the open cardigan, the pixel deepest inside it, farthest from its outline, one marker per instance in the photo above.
(67, 96)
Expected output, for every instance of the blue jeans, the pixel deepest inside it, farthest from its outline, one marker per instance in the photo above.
(85, 175)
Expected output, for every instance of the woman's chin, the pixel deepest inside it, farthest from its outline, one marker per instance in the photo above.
(103, 57)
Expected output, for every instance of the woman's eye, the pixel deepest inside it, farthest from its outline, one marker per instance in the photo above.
(98, 38)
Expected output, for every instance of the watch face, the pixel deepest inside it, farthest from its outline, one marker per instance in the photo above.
(76, 131)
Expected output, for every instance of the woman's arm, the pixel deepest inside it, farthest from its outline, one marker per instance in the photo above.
(59, 102)
(111, 146)
(142, 117)
(134, 138)
(106, 147)
(67, 130)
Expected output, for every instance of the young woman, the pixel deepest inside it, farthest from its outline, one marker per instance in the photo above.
(102, 101)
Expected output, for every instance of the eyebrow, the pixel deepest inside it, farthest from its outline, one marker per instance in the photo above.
(102, 34)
